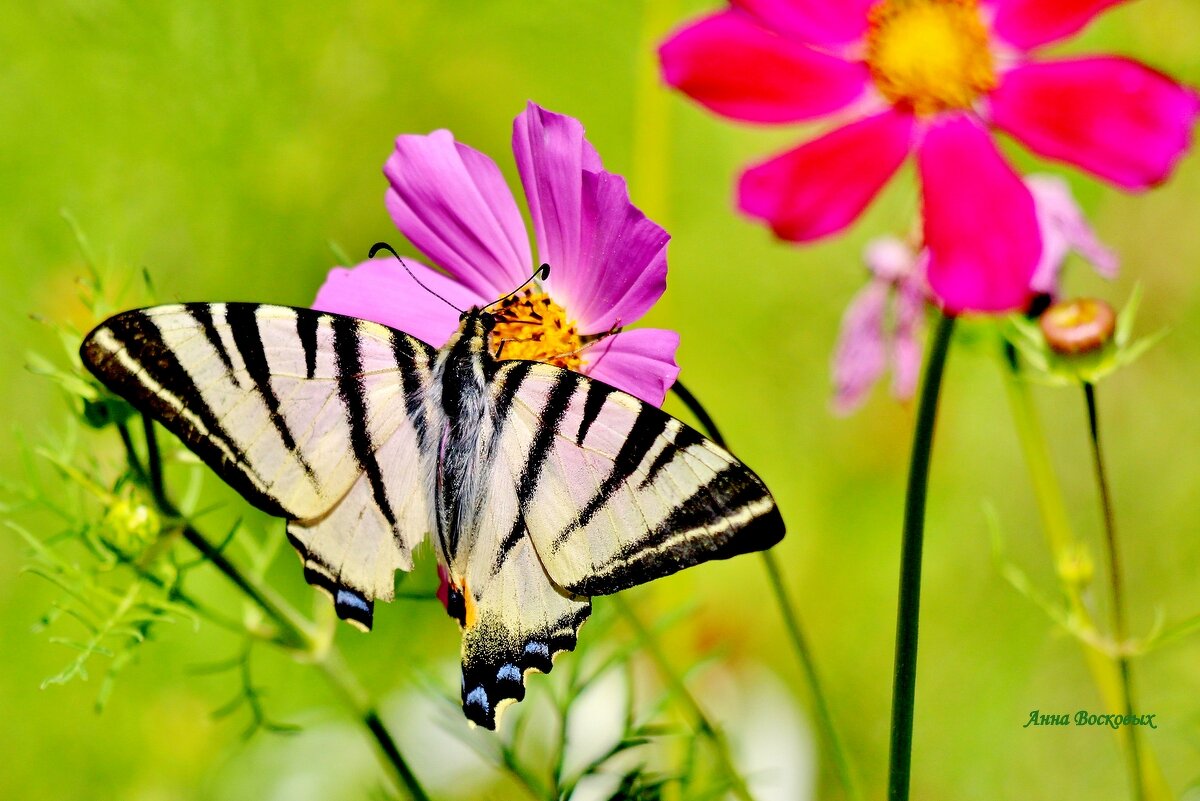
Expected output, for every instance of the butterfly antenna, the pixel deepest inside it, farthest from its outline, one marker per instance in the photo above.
(541, 274)
(378, 246)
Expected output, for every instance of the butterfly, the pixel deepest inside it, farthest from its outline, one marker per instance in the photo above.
(538, 486)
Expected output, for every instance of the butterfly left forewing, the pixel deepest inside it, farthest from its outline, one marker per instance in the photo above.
(318, 418)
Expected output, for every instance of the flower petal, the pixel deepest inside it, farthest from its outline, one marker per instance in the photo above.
(552, 154)
(1025, 24)
(453, 205)
(381, 291)
(909, 309)
(621, 266)
(817, 21)
(861, 351)
(640, 362)
(1064, 229)
(1111, 116)
(822, 186)
(980, 225)
(737, 68)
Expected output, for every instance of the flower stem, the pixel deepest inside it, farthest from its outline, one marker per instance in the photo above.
(295, 631)
(700, 721)
(908, 613)
(335, 670)
(1063, 545)
(1119, 624)
(791, 622)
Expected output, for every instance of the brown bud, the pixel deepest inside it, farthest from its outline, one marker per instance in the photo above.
(1078, 326)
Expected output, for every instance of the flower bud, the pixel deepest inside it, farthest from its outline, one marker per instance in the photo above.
(1078, 326)
(130, 526)
(1075, 565)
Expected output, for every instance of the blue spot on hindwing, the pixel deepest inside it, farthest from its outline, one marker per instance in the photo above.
(508, 673)
(479, 697)
(533, 647)
(350, 598)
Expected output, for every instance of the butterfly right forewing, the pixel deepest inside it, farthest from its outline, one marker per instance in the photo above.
(623, 493)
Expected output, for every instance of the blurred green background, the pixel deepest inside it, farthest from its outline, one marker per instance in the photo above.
(223, 146)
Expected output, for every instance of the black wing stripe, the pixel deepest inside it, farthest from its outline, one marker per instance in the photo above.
(564, 388)
(243, 324)
(353, 395)
(306, 329)
(412, 376)
(732, 491)
(649, 425)
(142, 342)
(513, 378)
(685, 438)
(202, 313)
(515, 534)
(597, 395)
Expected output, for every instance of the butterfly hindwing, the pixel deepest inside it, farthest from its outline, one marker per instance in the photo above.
(516, 620)
(303, 412)
(615, 492)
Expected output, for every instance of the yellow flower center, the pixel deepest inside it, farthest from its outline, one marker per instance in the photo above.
(929, 55)
(532, 326)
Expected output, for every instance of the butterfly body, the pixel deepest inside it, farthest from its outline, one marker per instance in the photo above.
(538, 486)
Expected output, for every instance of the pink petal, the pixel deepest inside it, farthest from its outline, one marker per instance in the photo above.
(621, 267)
(980, 225)
(739, 69)
(1064, 229)
(1025, 24)
(1111, 116)
(861, 351)
(822, 186)
(607, 260)
(909, 309)
(551, 154)
(640, 362)
(817, 21)
(381, 291)
(453, 205)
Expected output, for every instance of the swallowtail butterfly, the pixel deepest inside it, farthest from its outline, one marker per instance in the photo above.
(539, 487)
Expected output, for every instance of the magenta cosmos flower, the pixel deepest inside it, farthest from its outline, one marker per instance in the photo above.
(930, 77)
(882, 325)
(608, 262)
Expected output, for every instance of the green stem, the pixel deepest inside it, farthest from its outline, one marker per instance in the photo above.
(679, 690)
(295, 631)
(909, 608)
(1064, 547)
(334, 668)
(791, 622)
(1119, 624)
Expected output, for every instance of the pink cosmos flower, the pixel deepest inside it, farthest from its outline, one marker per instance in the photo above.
(607, 260)
(883, 323)
(930, 78)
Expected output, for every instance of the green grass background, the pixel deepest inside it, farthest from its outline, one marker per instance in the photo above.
(222, 146)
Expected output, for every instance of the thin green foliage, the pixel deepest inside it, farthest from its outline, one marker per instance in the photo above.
(120, 551)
